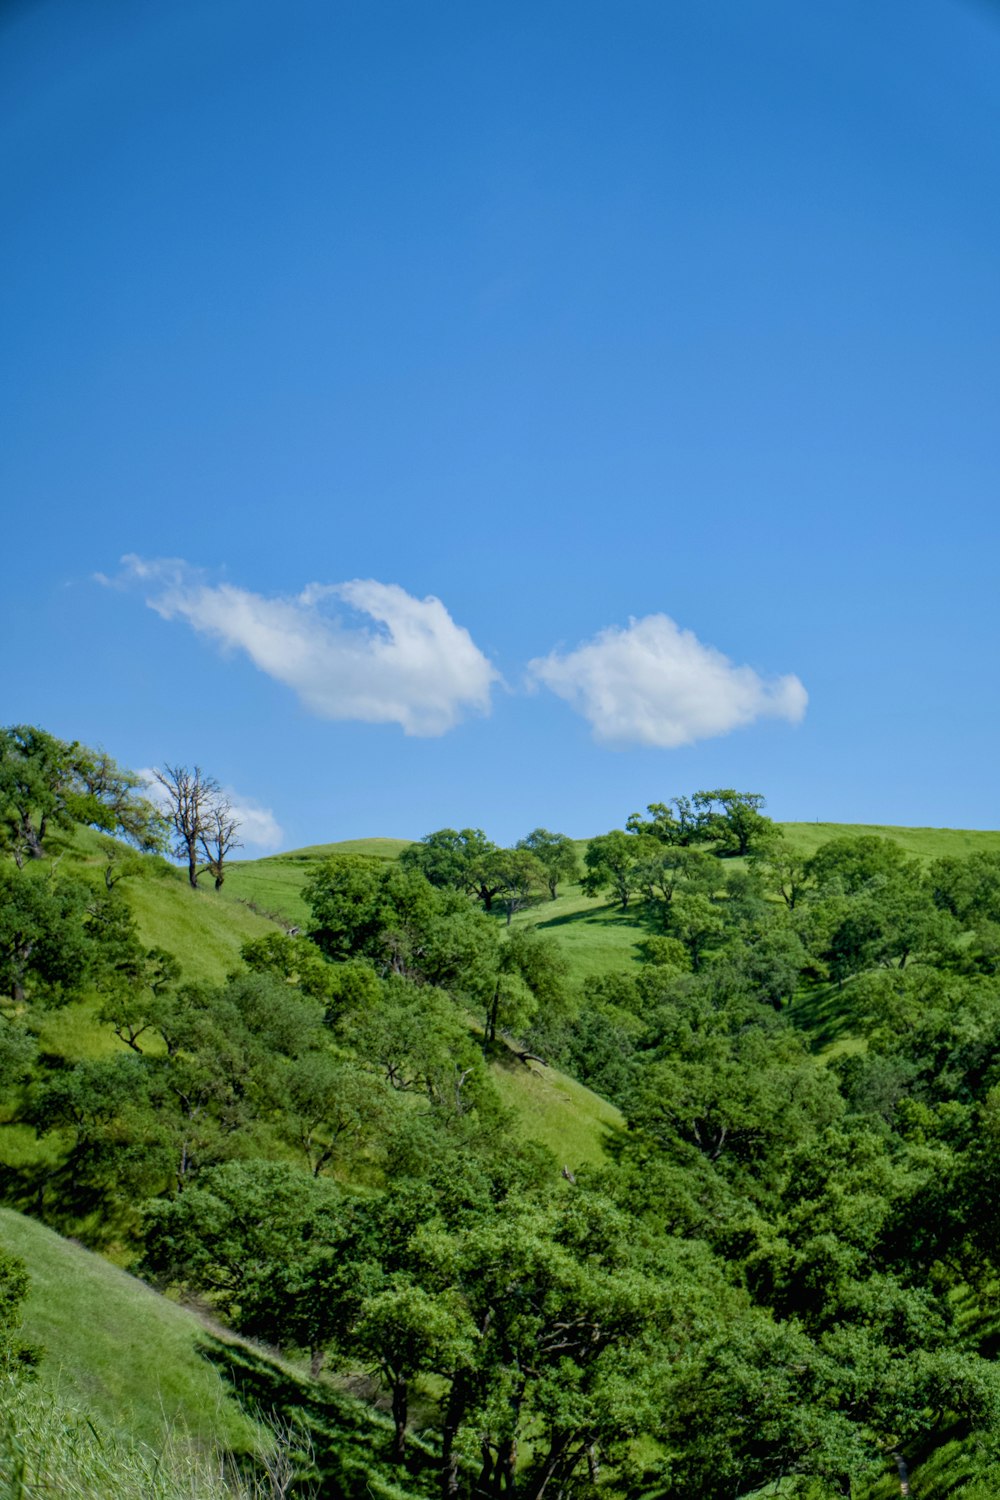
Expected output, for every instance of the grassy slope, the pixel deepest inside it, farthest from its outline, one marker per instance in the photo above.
(117, 1348)
(573, 1122)
(205, 930)
(924, 843)
(144, 1370)
(594, 935)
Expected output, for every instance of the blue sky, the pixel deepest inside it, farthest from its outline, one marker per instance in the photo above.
(657, 343)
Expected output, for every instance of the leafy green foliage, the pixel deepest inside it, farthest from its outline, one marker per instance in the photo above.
(556, 854)
(782, 1273)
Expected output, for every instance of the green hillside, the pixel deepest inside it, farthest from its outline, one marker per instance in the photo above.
(138, 1398)
(205, 930)
(115, 1347)
(338, 1160)
(594, 935)
(921, 843)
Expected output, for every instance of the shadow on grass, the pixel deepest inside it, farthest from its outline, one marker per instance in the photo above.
(91, 1213)
(827, 1014)
(341, 1446)
(607, 916)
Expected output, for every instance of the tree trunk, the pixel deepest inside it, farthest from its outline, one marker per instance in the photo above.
(556, 1450)
(484, 1483)
(32, 840)
(399, 1414)
(454, 1412)
(490, 1032)
(315, 1362)
(503, 1473)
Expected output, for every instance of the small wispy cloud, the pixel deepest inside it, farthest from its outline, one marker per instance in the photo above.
(652, 683)
(382, 657)
(259, 828)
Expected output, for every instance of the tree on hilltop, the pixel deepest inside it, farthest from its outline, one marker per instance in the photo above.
(556, 853)
(467, 861)
(731, 820)
(202, 819)
(613, 862)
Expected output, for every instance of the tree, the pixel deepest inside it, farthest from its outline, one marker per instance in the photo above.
(219, 838)
(675, 822)
(409, 1332)
(466, 861)
(784, 872)
(280, 1252)
(673, 870)
(45, 782)
(698, 922)
(731, 820)
(851, 864)
(17, 1358)
(556, 853)
(734, 821)
(39, 787)
(135, 979)
(420, 1044)
(522, 876)
(45, 949)
(613, 861)
(345, 897)
(122, 807)
(201, 817)
(330, 1106)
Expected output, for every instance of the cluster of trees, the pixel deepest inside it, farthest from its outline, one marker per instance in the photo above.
(512, 878)
(783, 1276)
(679, 835)
(48, 784)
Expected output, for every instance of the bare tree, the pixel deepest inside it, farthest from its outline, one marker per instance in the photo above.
(201, 818)
(219, 837)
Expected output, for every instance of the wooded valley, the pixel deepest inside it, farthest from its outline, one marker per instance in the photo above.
(659, 1165)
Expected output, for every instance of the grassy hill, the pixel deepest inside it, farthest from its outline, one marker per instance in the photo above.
(206, 929)
(118, 1349)
(595, 935)
(138, 1398)
(920, 843)
(141, 1367)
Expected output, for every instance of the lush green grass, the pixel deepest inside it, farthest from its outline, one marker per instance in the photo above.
(574, 1123)
(371, 848)
(205, 929)
(117, 1348)
(595, 935)
(925, 843)
(139, 1399)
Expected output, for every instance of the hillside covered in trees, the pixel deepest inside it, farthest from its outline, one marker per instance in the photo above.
(657, 1165)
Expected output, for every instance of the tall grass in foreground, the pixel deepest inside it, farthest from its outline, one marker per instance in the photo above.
(52, 1451)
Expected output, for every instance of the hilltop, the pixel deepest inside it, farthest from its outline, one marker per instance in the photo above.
(595, 935)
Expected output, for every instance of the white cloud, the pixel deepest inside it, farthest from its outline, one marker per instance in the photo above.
(259, 828)
(653, 683)
(391, 659)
